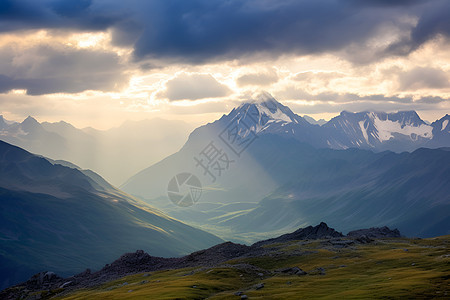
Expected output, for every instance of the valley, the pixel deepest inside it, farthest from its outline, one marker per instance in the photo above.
(284, 170)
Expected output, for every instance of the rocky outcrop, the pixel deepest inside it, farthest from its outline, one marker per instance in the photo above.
(321, 231)
(217, 254)
(136, 262)
(44, 280)
(375, 233)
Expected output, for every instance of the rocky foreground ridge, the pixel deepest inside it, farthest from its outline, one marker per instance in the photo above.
(140, 262)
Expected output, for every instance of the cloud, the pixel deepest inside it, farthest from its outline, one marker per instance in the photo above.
(261, 79)
(43, 69)
(423, 78)
(194, 87)
(434, 20)
(60, 14)
(203, 30)
(208, 107)
(317, 80)
(292, 94)
(200, 30)
(325, 107)
(323, 76)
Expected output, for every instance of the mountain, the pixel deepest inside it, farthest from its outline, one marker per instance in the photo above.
(232, 134)
(441, 132)
(313, 121)
(116, 153)
(401, 131)
(265, 170)
(30, 134)
(380, 131)
(374, 263)
(64, 219)
(409, 190)
(119, 153)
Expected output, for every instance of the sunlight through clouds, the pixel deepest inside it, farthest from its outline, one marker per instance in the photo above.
(117, 58)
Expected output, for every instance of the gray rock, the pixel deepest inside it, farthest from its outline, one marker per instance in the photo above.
(259, 286)
(298, 271)
(342, 243)
(293, 271)
(364, 239)
(321, 271)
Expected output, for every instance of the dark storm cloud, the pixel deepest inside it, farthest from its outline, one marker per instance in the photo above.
(434, 19)
(204, 30)
(200, 30)
(45, 70)
(67, 14)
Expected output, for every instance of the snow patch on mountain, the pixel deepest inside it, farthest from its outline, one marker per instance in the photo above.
(444, 125)
(386, 129)
(276, 115)
(364, 131)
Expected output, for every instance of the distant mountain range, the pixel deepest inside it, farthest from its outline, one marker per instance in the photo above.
(55, 216)
(274, 171)
(121, 152)
(116, 153)
(376, 131)
(313, 121)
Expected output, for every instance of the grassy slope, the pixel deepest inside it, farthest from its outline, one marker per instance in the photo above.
(65, 220)
(379, 270)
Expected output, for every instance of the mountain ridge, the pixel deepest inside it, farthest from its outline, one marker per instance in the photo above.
(64, 218)
(117, 153)
(140, 262)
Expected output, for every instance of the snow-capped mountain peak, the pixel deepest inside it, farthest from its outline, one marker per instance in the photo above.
(264, 115)
(262, 112)
(379, 131)
(373, 129)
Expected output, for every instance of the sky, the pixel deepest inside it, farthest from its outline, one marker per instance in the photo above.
(100, 62)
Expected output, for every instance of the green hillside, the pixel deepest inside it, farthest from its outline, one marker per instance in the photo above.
(394, 268)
